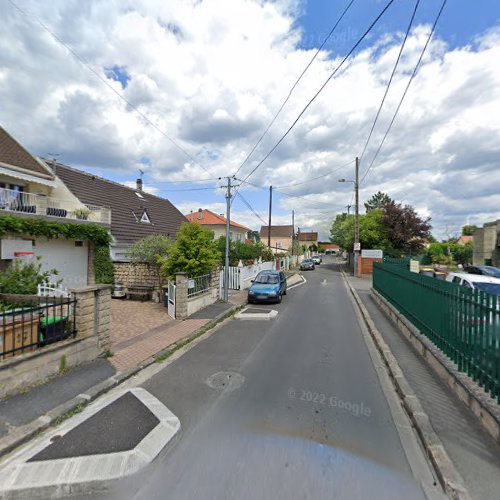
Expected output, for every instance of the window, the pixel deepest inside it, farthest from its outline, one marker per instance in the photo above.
(145, 218)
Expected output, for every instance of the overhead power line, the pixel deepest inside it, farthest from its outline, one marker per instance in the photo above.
(321, 88)
(104, 80)
(251, 208)
(415, 70)
(390, 79)
(295, 85)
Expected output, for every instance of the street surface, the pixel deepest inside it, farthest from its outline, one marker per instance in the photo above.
(305, 413)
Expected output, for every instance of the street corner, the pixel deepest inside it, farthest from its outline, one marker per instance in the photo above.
(114, 437)
(254, 313)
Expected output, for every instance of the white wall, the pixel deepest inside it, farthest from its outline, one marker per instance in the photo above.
(70, 260)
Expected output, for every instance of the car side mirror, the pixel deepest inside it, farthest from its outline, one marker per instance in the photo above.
(251, 281)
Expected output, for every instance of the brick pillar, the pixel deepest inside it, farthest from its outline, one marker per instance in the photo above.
(93, 313)
(181, 295)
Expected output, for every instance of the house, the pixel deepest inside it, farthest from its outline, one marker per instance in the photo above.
(487, 245)
(308, 239)
(29, 191)
(329, 247)
(135, 214)
(281, 237)
(463, 240)
(217, 224)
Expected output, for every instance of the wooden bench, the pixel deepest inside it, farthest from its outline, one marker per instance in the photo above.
(139, 292)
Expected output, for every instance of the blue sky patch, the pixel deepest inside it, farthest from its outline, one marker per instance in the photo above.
(118, 74)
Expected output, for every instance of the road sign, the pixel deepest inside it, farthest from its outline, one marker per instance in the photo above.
(372, 254)
(357, 247)
(414, 266)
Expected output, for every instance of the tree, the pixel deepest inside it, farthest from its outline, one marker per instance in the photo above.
(406, 230)
(149, 249)
(194, 252)
(468, 230)
(254, 235)
(378, 200)
(313, 248)
(243, 251)
(338, 232)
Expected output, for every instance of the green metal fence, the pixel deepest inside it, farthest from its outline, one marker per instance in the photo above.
(463, 323)
(404, 263)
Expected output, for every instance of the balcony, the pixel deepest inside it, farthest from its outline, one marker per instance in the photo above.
(28, 203)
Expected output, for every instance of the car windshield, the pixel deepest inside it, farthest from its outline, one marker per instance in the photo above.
(491, 271)
(492, 288)
(266, 278)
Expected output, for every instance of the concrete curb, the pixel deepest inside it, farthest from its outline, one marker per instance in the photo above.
(484, 408)
(449, 478)
(26, 432)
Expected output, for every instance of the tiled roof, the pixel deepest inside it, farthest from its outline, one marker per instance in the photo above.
(329, 246)
(13, 154)
(277, 231)
(308, 236)
(127, 207)
(209, 218)
(465, 239)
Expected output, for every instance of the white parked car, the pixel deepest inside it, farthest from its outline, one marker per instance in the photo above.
(317, 259)
(476, 281)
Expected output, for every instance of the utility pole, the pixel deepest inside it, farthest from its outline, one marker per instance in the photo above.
(356, 218)
(270, 211)
(293, 232)
(228, 237)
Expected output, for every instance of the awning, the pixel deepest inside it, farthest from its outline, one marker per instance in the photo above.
(26, 177)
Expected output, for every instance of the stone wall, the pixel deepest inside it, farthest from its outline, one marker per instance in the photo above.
(137, 273)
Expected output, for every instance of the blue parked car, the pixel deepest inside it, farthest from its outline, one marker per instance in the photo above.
(268, 286)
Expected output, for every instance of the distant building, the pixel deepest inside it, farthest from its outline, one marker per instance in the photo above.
(329, 247)
(281, 237)
(487, 244)
(463, 240)
(217, 224)
(308, 239)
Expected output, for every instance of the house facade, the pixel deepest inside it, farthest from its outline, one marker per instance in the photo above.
(135, 214)
(281, 238)
(30, 190)
(217, 224)
(487, 244)
(307, 239)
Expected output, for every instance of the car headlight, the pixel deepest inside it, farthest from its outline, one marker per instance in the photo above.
(272, 294)
(251, 292)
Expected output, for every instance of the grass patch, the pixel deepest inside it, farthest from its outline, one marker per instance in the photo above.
(162, 357)
(63, 364)
(107, 354)
(71, 413)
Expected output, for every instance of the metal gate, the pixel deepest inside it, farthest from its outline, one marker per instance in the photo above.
(171, 299)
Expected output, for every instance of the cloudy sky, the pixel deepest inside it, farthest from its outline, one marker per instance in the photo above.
(200, 80)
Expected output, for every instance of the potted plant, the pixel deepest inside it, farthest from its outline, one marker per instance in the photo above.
(81, 213)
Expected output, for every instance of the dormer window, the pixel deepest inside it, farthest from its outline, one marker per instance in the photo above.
(145, 218)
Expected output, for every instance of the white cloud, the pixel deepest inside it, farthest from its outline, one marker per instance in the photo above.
(211, 75)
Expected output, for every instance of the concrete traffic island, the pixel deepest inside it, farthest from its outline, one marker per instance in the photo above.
(112, 438)
(256, 314)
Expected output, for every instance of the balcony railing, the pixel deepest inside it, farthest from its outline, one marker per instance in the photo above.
(29, 203)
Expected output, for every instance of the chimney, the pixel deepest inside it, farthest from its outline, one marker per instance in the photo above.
(139, 184)
(200, 214)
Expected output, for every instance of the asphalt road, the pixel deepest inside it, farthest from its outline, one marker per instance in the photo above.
(303, 415)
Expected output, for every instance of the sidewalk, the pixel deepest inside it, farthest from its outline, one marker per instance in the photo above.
(473, 452)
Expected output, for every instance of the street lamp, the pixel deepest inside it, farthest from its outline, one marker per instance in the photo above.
(356, 216)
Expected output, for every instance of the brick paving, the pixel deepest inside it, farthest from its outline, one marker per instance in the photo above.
(130, 318)
(157, 340)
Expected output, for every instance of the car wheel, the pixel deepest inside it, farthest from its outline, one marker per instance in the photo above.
(284, 293)
(280, 298)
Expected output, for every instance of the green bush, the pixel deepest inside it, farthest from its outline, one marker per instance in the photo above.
(104, 270)
(23, 278)
(243, 251)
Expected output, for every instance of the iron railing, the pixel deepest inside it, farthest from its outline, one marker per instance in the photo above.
(29, 323)
(29, 203)
(199, 285)
(463, 323)
(404, 263)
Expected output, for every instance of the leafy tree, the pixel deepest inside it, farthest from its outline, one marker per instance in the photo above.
(313, 247)
(378, 200)
(254, 235)
(239, 250)
(406, 230)
(296, 248)
(468, 229)
(194, 252)
(149, 249)
(338, 232)
(449, 253)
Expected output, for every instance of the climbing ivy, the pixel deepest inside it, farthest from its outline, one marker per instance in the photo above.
(104, 270)
(53, 230)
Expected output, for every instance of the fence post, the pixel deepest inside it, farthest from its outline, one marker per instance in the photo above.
(181, 295)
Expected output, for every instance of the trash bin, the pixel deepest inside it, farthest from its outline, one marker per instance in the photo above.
(52, 329)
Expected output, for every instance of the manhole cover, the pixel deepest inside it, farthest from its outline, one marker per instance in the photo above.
(225, 380)
(255, 310)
